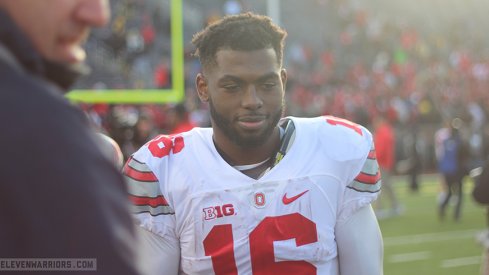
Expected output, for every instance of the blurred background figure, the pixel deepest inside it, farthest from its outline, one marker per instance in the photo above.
(141, 132)
(441, 135)
(110, 149)
(384, 139)
(453, 157)
(480, 194)
(179, 120)
(481, 189)
(414, 158)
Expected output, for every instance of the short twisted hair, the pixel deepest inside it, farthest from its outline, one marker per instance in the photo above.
(242, 32)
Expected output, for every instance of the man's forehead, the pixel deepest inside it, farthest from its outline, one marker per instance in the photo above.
(251, 76)
(262, 59)
(226, 53)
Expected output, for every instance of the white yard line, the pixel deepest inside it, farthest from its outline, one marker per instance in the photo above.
(430, 237)
(409, 257)
(461, 262)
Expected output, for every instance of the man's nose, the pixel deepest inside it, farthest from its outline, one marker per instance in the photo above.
(93, 12)
(251, 98)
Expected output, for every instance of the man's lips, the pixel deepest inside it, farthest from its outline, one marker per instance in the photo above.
(252, 122)
(74, 37)
(70, 48)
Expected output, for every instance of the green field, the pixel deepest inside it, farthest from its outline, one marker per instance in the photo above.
(418, 243)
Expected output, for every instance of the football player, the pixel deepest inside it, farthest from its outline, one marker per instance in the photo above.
(256, 193)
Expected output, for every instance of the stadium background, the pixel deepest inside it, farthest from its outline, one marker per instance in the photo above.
(419, 62)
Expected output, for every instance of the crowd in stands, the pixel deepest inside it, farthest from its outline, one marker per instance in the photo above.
(343, 58)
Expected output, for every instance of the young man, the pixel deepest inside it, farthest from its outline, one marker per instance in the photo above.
(59, 196)
(256, 194)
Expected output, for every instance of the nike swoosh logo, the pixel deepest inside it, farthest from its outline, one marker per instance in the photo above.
(286, 200)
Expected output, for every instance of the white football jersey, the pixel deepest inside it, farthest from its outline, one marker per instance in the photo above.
(281, 223)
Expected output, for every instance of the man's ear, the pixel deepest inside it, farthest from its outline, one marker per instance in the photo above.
(202, 89)
(283, 77)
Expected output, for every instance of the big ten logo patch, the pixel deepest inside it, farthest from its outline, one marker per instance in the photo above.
(218, 211)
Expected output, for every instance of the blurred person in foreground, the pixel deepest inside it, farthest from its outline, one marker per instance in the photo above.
(256, 193)
(384, 140)
(59, 196)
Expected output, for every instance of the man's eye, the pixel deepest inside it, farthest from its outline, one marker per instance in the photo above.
(269, 86)
(232, 87)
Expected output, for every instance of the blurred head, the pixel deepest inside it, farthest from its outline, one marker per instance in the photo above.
(57, 28)
(456, 125)
(110, 149)
(378, 120)
(242, 79)
(143, 128)
(176, 114)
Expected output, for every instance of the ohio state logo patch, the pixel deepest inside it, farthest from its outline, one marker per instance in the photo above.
(259, 200)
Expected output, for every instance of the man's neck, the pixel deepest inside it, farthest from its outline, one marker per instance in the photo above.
(237, 155)
(286, 136)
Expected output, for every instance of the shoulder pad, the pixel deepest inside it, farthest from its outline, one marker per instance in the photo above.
(144, 189)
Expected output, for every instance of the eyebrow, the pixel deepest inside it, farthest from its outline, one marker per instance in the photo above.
(268, 76)
(260, 79)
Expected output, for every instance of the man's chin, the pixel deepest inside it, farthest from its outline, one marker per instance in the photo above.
(251, 140)
(63, 74)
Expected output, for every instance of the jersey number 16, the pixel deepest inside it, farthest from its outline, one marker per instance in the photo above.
(220, 246)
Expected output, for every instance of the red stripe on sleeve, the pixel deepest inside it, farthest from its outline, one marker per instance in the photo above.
(153, 202)
(368, 179)
(139, 176)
